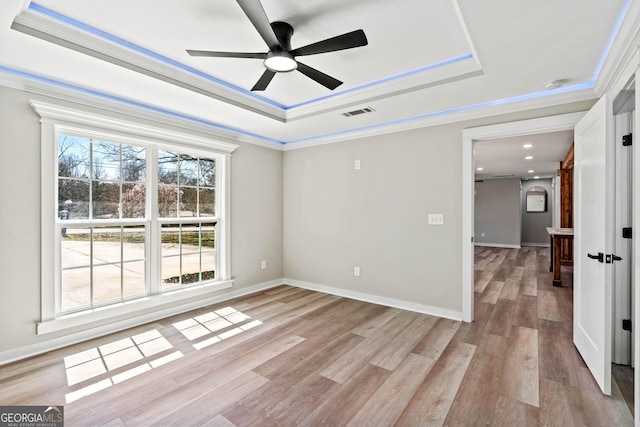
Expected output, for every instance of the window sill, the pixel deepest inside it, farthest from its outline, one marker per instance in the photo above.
(143, 309)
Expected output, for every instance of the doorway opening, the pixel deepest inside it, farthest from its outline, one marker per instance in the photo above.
(623, 291)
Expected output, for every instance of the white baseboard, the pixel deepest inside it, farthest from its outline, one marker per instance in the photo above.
(538, 245)
(44, 346)
(498, 245)
(376, 299)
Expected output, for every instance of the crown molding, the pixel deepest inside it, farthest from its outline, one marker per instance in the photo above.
(76, 95)
(135, 110)
(142, 61)
(448, 71)
(623, 46)
(470, 112)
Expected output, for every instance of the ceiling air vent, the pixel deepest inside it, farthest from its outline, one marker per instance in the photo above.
(358, 112)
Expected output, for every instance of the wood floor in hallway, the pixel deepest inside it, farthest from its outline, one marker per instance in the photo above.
(289, 356)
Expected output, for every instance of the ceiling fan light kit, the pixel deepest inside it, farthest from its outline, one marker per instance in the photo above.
(281, 58)
(280, 62)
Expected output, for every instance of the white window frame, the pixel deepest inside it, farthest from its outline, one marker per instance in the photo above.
(57, 119)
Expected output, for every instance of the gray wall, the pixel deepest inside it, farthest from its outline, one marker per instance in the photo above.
(337, 218)
(334, 217)
(534, 224)
(497, 212)
(256, 215)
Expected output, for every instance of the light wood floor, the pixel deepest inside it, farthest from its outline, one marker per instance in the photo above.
(289, 356)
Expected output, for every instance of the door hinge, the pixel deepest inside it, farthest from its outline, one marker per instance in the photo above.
(627, 140)
(626, 324)
(626, 232)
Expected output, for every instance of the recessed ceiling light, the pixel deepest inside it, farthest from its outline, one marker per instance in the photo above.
(480, 169)
(527, 146)
(529, 158)
(536, 177)
(531, 171)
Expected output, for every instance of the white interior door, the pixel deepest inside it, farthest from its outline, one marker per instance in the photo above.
(593, 215)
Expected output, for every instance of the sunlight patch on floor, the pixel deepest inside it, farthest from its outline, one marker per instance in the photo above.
(211, 323)
(110, 359)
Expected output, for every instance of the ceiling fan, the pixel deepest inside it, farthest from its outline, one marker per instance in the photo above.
(281, 58)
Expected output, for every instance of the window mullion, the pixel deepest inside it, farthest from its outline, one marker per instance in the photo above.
(153, 238)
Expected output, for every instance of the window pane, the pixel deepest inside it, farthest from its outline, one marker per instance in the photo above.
(133, 247)
(133, 163)
(208, 236)
(168, 167)
(191, 268)
(207, 201)
(133, 278)
(76, 248)
(106, 199)
(106, 160)
(170, 269)
(167, 201)
(188, 201)
(207, 173)
(133, 200)
(190, 238)
(73, 157)
(73, 199)
(188, 171)
(76, 291)
(208, 265)
(106, 245)
(106, 283)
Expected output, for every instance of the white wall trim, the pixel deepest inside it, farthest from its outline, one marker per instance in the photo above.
(538, 245)
(498, 245)
(376, 299)
(66, 340)
(53, 113)
(469, 136)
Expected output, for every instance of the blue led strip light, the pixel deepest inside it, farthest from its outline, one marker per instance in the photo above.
(80, 89)
(84, 27)
(388, 79)
(612, 37)
(99, 33)
(518, 98)
(34, 77)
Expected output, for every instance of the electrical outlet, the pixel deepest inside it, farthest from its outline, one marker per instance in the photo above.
(482, 234)
(263, 264)
(356, 165)
(356, 271)
(436, 219)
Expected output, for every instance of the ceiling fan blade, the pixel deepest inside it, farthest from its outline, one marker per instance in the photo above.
(264, 80)
(210, 53)
(350, 40)
(256, 14)
(320, 77)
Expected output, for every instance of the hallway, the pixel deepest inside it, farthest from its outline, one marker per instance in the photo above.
(523, 330)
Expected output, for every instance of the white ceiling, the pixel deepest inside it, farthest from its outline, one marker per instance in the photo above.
(507, 157)
(426, 61)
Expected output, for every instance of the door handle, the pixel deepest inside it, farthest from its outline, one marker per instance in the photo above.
(613, 257)
(599, 257)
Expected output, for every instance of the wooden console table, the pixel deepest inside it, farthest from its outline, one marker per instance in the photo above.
(557, 235)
